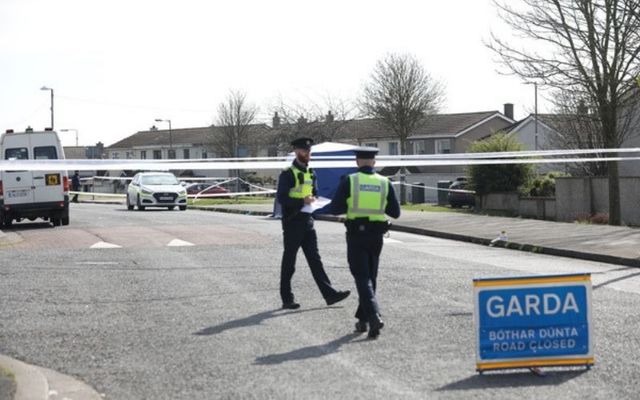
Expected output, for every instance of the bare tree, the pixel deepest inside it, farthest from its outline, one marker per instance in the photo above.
(578, 128)
(401, 95)
(586, 48)
(235, 117)
(321, 121)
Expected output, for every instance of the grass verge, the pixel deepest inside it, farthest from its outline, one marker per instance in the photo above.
(7, 384)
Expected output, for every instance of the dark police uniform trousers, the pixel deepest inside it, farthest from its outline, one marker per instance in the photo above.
(364, 245)
(299, 232)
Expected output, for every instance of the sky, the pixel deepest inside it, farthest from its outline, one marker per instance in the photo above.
(115, 66)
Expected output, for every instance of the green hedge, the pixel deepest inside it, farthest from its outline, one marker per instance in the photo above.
(500, 177)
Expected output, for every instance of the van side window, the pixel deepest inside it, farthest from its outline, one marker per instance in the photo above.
(45, 153)
(19, 153)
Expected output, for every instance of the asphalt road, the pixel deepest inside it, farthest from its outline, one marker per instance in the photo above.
(146, 320)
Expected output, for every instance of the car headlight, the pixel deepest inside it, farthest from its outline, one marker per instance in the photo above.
(146, 191)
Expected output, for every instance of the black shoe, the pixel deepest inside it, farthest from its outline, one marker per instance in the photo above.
(361, 326)
(375, 325)
(292, 305)
(339, 296)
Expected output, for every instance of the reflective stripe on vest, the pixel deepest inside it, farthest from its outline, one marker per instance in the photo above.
(368, 196)
(300, 190)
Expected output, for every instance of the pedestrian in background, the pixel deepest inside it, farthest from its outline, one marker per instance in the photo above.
(75, 185)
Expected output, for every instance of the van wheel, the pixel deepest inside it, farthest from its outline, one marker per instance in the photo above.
(65, 218)
(129, 205)
(171, 208)
(8, 221)
(182, 208)
(56, 221)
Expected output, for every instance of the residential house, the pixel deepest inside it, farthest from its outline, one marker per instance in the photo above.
(187, 143)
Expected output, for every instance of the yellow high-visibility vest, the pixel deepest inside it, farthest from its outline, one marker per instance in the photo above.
(368, 197)
(303, 186)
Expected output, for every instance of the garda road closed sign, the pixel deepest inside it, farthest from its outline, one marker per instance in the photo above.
(533, 321)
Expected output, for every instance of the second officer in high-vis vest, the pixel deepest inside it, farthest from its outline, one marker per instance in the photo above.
(367, 198)
(297, 188)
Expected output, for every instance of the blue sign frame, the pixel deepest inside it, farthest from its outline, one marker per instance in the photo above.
(533, 321)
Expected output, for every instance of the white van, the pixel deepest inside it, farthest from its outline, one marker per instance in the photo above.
(33, 194)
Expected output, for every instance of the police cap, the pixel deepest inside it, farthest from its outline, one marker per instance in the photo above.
(302, 143)
(366, 152)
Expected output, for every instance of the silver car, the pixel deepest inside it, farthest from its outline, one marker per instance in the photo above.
(156, 189)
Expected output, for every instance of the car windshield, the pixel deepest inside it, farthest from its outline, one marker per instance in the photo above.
(159, 180)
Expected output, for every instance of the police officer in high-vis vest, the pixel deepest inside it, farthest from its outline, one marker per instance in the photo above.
(297, 188)
(367, 198)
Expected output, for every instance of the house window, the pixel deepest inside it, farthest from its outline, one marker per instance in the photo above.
(393, 148)
(115, 155)
(171, 154)
(420, 147)
(185, 154)
(371, 144)
(443, 146)
(143, 154)
(243, 151)
(204, 154)
(129, 155)
(157, 155)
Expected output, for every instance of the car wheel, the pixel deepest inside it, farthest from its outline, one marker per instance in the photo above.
(171, 208)
(56, 221)
(8, 221)
(182, 208)
(140, 206)
(129, 205)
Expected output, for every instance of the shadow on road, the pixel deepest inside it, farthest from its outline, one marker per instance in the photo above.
(255, 319)
(512, 380)
(23, 226)
(307, 352)
(610, 281)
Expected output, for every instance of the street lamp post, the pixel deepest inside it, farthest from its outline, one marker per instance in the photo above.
(51, 90)
(535, 90)
(71, 129)
(535, 113)
(170, 135)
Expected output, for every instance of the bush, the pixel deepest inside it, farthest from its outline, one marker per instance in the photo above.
(543, 186)
(501, 177)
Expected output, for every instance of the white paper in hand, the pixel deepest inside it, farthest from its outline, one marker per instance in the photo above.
(316, 205)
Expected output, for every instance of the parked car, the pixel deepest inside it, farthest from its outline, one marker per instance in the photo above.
(459, 199)
(156, 189)
(205, 188)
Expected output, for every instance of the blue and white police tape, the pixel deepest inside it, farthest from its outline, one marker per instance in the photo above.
(274, 163)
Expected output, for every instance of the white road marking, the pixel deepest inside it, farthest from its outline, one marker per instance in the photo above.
(178, 242)
(389, 240)
(104, 245)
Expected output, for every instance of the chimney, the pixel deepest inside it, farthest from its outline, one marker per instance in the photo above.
(329, 117)
(276, 120)
(508, 110)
